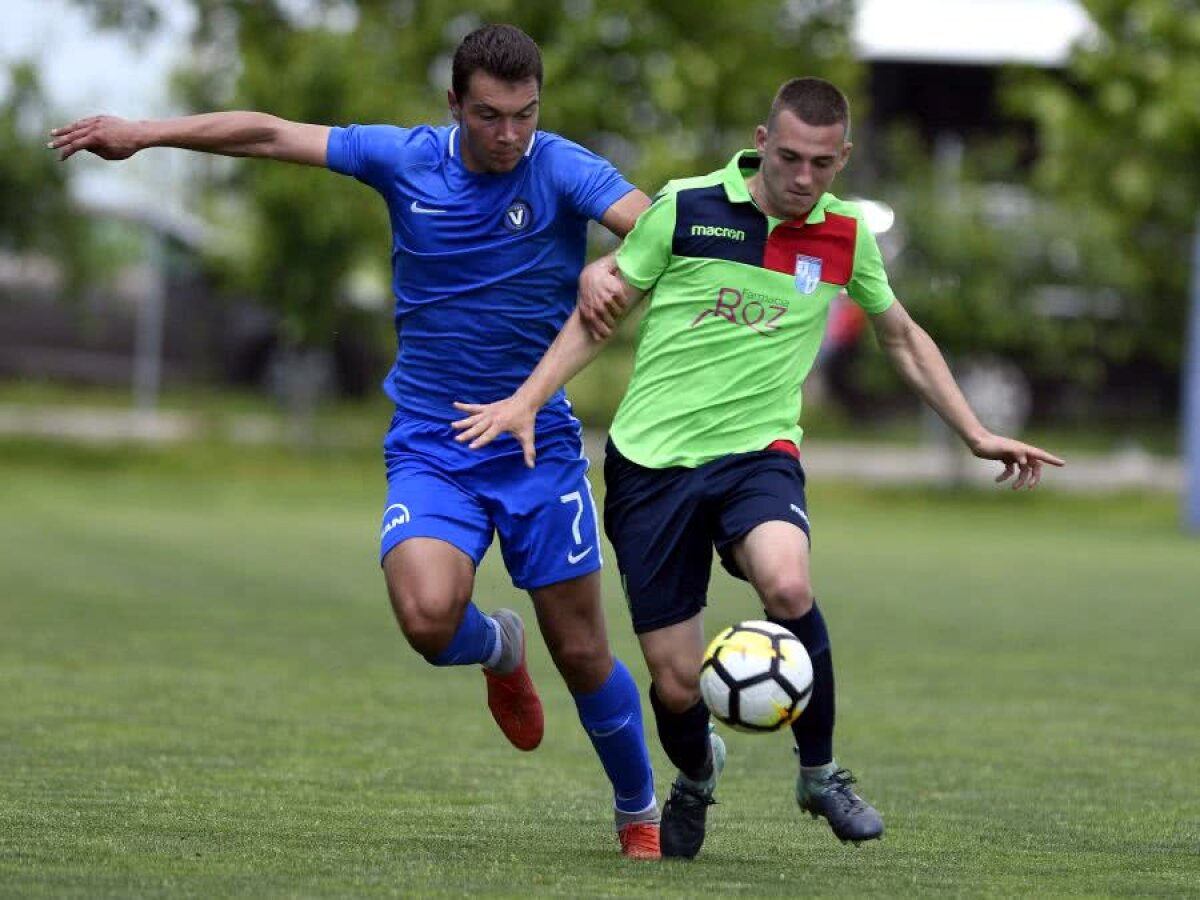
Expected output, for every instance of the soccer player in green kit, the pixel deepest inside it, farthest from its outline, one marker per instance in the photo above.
(740, 267)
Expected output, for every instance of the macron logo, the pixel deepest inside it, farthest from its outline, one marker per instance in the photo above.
(416, 207)
(734, 234)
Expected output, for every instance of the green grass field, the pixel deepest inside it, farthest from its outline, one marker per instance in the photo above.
(202, 693)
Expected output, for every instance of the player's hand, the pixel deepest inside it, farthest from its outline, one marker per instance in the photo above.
(1023, 459)
(601, 298)
(487, 421)
(107, 136)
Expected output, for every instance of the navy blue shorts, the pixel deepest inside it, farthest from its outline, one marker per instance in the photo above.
(664, 524)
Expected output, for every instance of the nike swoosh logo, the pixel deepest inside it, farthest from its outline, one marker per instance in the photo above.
(416, 207)
(610, 733)
(573, 558)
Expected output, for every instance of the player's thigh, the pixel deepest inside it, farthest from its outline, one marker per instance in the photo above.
(662, 534)
(428, 579)
(432, 537)
(673, 655)
(545, 516)
(774, 558)
(763, 531)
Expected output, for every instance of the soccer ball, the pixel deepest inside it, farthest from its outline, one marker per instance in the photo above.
(756, 676)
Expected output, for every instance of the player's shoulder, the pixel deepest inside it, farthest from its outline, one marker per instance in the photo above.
(669, 192)
(549, 142)
(407, 142)
(850, 209)
(553, 150)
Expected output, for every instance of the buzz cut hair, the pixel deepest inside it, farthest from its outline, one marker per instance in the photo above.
(502, 51)
(813, 101)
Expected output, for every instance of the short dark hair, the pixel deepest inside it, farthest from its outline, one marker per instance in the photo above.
(503, 51)
(813, 101)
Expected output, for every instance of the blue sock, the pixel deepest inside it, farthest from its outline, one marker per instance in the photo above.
(473, 643)
(612, 718)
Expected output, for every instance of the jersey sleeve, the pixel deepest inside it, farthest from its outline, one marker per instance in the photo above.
(646, 252)
(370, 153)
(869, 286)
(591, 183)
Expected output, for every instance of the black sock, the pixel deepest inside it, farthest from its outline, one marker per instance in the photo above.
(684, 737)
(814, 729)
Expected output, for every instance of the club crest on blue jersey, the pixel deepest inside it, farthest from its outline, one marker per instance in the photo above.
(517, 216)
(808, 273)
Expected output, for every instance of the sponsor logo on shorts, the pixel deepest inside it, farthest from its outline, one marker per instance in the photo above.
(393, 517)
(801, 513)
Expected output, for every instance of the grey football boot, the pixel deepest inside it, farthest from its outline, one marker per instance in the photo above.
(831, 797)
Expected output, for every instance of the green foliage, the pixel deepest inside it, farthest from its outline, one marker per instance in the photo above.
(137, 18)
(659, 87)
(988, 267)
(1120, 144)
(35, 209)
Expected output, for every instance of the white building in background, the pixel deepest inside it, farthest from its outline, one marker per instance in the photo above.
(970, 32)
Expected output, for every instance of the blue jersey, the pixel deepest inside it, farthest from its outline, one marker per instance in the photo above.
(485, 266)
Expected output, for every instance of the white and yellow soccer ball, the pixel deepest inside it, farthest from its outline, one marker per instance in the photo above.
(756, 676)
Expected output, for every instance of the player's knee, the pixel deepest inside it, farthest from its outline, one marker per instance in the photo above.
(677, 691)
(787, 595)
(427, 626)
(584, 662)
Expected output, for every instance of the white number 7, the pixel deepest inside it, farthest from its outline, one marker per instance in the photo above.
(576, 498)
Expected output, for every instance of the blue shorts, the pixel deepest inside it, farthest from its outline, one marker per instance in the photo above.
(545, 516)
(664, 524)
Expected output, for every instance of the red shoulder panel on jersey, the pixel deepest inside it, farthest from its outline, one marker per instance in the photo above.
(831, 241)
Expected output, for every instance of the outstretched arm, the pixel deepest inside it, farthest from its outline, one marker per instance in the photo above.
(225, 133)
(571, 351)
(920, 362)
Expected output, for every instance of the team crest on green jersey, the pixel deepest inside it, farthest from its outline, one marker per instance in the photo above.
(808, 273)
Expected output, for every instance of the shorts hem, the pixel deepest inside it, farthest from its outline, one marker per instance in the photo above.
(667, 621)
(384, 550)
(558, 578)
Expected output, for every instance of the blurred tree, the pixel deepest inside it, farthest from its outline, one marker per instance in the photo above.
(1120, 145)
(35, 210)
(989, 268)
(663, 88)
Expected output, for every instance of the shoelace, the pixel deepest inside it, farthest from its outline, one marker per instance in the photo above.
(839, 783)
(691, 795)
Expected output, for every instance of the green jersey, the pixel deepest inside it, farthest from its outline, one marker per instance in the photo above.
(736, 312)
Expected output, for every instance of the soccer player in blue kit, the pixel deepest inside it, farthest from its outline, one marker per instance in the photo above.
(489, 219)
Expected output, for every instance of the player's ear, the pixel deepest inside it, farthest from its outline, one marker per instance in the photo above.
(760, 139)
(844, 156)
(452, 102)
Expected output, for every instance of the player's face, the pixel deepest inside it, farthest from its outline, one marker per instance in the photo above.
(799, 163)
(497, 120)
